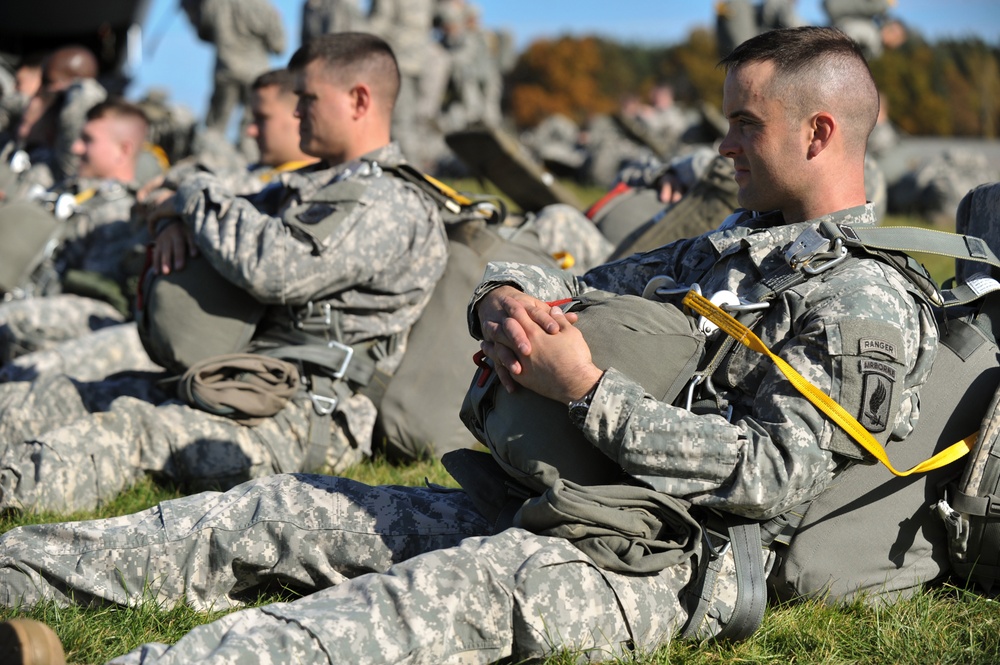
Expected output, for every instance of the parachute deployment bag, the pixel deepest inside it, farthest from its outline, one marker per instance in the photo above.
(194, 314)
(417, 415)
(532, 437)
(28, 234)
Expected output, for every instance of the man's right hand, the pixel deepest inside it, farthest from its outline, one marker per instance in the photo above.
(172, 247)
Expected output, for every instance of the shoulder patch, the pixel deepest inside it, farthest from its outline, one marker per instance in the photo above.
(315, 213)
(877, 381)
(869, 345)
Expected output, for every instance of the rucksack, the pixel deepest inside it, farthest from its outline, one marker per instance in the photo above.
(907, 544)
(193, 314)
(531, 436)
(970, 506)
(418, 414)
(29, 234)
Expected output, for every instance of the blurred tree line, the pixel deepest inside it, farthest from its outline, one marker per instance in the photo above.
(949, 88)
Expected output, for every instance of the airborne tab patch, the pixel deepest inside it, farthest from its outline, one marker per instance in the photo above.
(877, 384)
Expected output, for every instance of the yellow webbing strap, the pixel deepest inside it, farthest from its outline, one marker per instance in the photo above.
(266, 176)
(159, 153)
(821, 400)
(448, 191)
(84, 196)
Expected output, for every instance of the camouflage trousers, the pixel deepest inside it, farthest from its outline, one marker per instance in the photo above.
(68, 445)
(90, 357)
(400, 574)
(40, 323)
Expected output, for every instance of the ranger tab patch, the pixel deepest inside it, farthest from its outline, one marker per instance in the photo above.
(877, 345)
(877, 384)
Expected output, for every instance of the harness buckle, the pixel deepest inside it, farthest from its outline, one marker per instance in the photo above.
(696, 381)
(813, 253)
(340, 371)
(323, 405)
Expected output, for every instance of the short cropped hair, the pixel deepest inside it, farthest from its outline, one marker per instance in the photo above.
(283, 79)
(118, 108)
(813, 67)
(352, 57)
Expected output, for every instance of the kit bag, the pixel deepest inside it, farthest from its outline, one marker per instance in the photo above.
(193, 314)
(532, 437)
(970, 507)
(28, 235)
(418, 414)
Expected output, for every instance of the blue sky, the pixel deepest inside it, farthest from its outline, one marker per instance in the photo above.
(183, 65)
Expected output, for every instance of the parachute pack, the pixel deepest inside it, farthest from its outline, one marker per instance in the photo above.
(29, 234)
(418, 415)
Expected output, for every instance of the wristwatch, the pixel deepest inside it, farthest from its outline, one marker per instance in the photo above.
(578, 408)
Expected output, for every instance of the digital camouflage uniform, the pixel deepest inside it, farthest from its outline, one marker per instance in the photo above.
(565, 232)
(514, 593)
(98, 239)
(322, 17)
(73, 102)
(406, 25)
(351, 242)
(860, 20)
(245, 33)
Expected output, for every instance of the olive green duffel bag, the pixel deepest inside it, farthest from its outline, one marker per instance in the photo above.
(194, 314)
(532, 437)
(28, 235)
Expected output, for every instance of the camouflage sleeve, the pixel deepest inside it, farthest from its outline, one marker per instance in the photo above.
(868, 347)
(391, 226)
(544, 283)
(271, 27)
(627, 276)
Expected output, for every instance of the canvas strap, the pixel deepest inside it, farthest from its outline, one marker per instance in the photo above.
(821, 400)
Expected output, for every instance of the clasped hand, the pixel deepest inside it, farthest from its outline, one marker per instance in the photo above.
(173, 242)
(535, 345)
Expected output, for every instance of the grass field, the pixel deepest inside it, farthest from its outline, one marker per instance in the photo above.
(945, 624)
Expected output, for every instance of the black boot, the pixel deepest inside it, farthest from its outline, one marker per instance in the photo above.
(28, 642)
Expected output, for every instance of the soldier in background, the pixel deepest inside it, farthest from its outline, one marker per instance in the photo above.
(738, 20)
(867, 22)
(16, 91)
(28, 154)
(322, 17)
(70, 74)
(245, 33)
(407, 26)
(475, 82)
(95, 240)
(117, 348)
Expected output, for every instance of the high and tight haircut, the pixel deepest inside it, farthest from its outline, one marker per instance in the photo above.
(283, 79)
(353, 56)
(119, 108)
(810, 62)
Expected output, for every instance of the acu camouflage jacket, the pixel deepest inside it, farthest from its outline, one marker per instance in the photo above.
(857, 331)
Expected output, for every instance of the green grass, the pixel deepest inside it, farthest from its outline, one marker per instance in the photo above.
(940, 625)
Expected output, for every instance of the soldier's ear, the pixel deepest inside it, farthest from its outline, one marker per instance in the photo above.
(823, 127)
(361, 94)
